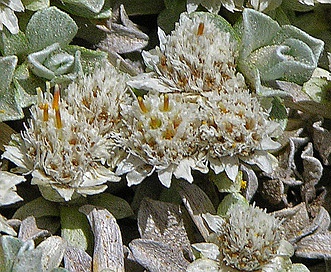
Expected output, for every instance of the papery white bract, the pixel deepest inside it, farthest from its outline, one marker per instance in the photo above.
(7, 15)
(67, 143)
(8, 182)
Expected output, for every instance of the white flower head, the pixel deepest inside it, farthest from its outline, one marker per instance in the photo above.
(67, 141)
(196, 57)
(162, 137)
(236, 129)
(247, 236)
(7, 15)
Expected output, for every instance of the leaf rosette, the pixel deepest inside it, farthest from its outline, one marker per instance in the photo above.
(272, 52)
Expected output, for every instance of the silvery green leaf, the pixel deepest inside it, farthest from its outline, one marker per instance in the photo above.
(8, 193)
(87, 59)
(224, 184)
(278, 112)
(6, 228)
(314, 96)
(116, 205)
(49, 26)
(50, 62)
(203, 265)
(302, 5)
(27, 258)
(19, 256)
(76, 259)
(108, 247)
(11, 44)
(38, 207)
(270, 51)
(9, 248)
(9, 106)
(285, 249)
(35, 5)
(7, 67)
(170, 15)
(97, 9)
(230, 200)
(75, 228)
(85, 6)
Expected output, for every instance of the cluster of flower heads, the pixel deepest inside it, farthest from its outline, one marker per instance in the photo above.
(197, 114)
(214, 121)
(67, 144)
(245, 239)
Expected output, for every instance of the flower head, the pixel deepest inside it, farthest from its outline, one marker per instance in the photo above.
(196, 57)
(249, 239)
(236, 129)
(7, 15)
(161, 135)
(67, 141)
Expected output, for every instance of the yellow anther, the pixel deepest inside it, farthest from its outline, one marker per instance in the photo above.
(142, 104)
(166, 102)
(201, 28)
(56, 107)
(243, 184)
(58, 121)
(45, 112)
(56, 98)
(155, 123)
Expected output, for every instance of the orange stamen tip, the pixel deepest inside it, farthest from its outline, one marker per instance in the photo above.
(142, 104)
(45, 112)
(166, 102)
(58, 121)
(201, 28)
(56, 98)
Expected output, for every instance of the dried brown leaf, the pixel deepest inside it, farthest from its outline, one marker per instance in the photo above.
(156, 256)
(30, 231)
(108, 247)
(76, 259)
(196, 203)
